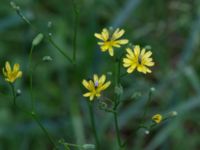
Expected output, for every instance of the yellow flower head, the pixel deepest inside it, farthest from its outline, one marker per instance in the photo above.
(11, 74)
(140, 59)
(95, 86)
(110, 39)
(157, 118)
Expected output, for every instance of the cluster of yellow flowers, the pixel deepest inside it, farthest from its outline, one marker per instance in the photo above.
(136, 58)
(11, 74)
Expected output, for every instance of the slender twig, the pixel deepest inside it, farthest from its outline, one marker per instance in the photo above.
(93, 124)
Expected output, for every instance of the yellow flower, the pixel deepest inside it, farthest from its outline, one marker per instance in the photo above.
(12, 74)
(95, 86)
(110, 40)
(140, 59)
(157, 118)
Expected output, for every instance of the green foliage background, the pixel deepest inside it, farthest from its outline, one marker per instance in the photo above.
(171, 28)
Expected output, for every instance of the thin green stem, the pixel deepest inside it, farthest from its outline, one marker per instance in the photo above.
(116, 102)
(31, 78)
(35, 117)
(72, 145)
(13, 93)
(76, 12)
(33, 114)
(146, 107)
(93, 124)
(60, 50)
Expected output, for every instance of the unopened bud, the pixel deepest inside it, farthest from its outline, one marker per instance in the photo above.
(47, 59)
(38, 39)
(146, 132)
(18, 92)
(174, 113)
(109, 73)
(13, 5)
(152, 89)
(88, 146)
(49, 24)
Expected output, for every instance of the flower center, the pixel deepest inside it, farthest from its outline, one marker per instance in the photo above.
(96, 84)
(139, 59)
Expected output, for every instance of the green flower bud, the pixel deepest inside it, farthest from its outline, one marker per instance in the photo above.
(88, 146)
(37, 40)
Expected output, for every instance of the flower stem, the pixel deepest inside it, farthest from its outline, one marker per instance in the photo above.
(116, 102)
(13, 93)
(93, 124)
(31, 77)
(35, 117)
(146, 107)
(33, 114)
(76, 12)
(59, 49)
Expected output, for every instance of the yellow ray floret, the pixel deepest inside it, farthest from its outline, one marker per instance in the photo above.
(138, 59)
(157, 118)
(11, 74)
(110, 40)
(95, 86)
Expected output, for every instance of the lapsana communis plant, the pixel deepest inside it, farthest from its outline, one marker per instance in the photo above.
(130, 59)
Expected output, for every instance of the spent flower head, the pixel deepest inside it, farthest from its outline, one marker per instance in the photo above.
(157, 118)
(95, 86)
(12, 74)
(138, 59)
(110, 39)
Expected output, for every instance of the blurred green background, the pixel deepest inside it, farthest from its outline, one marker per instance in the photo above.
(170, 27)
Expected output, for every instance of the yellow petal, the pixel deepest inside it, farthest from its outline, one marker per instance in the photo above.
(95, 77)
(8, 68)
(105, 34)
(111, 51)
(127, 61)
(99, 36)
(122, 42)
(137, 50)
(147, 54)
(91, 97)
(106, 85)
(87, 94)
(104, 47)
(117, 34)
(102, 79)
(130, 52)
(4, 72)
(86, 84)
(19, 74)
(131, 69)
(16, 67)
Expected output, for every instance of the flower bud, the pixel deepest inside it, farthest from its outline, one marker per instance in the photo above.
(47, 59)
(88, 146)
(18, 92)
(146, 132)
(38, 39)
(152, 89)
(174, 113)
